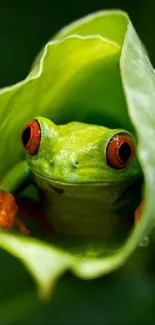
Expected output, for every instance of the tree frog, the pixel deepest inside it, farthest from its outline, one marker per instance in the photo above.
(87, 176)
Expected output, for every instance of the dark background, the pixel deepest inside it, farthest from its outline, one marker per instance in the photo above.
(128, 295)
(26, 25)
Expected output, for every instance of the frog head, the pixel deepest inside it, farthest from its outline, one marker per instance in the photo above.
(80, 153)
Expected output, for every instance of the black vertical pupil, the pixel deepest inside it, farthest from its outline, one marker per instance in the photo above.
(26, 136)
(124, 152)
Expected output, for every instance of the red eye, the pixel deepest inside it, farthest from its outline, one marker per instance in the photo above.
(31, 136)
(120, 150)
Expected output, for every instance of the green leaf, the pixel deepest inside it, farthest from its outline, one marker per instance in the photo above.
(140, 96)
(46, 263)
(95, 70)
(111, 25)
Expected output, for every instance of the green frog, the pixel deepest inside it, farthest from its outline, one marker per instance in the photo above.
(87, 177)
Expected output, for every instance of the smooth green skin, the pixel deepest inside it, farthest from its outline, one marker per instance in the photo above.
(82, 194)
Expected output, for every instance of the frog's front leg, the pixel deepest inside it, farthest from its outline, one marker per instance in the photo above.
(18, 178)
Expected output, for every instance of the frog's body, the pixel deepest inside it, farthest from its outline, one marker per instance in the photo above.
(80, 191)
(89, 210)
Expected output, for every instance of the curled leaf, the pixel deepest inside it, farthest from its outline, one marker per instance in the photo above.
(95, 70)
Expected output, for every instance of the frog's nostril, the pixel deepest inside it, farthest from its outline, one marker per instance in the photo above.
(51, 162)
(75, 163)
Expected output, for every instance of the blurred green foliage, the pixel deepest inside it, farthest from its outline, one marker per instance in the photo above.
(126, 296)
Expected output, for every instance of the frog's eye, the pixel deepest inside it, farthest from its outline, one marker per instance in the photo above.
(120, 150)
(31, 136)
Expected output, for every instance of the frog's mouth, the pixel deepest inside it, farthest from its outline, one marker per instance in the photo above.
(60, 187)
(62, 184)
